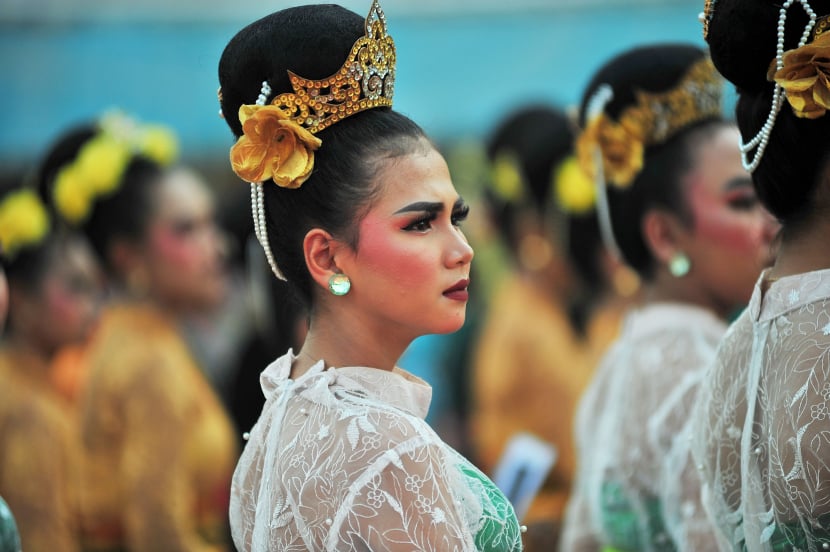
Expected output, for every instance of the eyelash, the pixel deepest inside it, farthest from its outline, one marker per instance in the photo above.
(746, 203)
(423, 224)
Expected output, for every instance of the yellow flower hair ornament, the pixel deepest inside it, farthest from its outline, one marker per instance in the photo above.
(23, 221)
(273, 146)
(100, 164)
(506, 177)
(805, 77)
(573, 188)
(620, 145)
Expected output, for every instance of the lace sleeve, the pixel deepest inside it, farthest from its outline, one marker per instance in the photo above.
(35, 477)
(153, 465)
(423, 496)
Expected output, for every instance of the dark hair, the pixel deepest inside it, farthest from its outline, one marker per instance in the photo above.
(123, 214)
(26, 267)
(313, 42)
(539, 137)
(655, 68)
(742, 38)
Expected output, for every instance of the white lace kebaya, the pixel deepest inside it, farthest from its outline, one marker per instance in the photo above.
(761, 434)
(341, 459)
(637, 487)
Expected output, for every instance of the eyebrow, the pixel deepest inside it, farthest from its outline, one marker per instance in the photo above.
(428, 207)
(738, 182)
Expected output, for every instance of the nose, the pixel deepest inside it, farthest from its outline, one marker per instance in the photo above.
(459, 251)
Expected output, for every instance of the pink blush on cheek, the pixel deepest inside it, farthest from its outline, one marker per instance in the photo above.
(173, 249)
(715, 221)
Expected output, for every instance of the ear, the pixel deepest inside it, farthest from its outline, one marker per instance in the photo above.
(664, 234)
(125, 258)
(321, 251)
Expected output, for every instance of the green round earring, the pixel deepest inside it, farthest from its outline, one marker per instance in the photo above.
(679, 265)
(339, 284)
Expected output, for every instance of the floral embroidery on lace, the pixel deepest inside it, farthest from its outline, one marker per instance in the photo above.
(768, 487)
(341, 459)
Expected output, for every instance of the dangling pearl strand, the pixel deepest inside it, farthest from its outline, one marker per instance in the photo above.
(761, 139)
(594, 108)
(258, 201)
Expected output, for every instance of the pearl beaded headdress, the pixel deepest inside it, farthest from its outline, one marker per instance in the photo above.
(365, 80)
(759, 142)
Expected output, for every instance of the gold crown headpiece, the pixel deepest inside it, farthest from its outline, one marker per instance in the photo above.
(278, 140)
(653, 119)
(365, 80)
(612, 152)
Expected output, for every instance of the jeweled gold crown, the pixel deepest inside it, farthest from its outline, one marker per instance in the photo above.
(653, 119)
(366, 80)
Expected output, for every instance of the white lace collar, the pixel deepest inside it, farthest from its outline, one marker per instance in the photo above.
(397, 388)
(659, 317)
(788, 294)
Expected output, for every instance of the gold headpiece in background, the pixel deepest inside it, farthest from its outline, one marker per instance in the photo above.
(653, 119)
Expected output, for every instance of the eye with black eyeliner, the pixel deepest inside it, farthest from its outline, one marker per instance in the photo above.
(460, 214)
(742, 202)
(421, 224)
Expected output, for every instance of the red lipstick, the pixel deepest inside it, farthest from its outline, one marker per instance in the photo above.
(458, 292)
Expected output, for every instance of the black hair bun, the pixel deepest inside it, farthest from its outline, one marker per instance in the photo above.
(743, 35)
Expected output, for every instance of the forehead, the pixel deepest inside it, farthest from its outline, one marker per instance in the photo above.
(718, 161)
(421, 175)
(182, 192)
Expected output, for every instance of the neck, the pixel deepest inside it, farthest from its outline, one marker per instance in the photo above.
(803, 250)
(339, 338)
(665, 288)
(30, 347)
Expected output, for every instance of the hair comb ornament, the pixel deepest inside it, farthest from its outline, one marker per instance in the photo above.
(278, 140)
(612, 152)
(706, 16)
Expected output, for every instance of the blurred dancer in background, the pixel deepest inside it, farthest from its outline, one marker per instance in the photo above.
(761, 432)
(529, 360)
(676, 205)
(54, 294)
(158, 447)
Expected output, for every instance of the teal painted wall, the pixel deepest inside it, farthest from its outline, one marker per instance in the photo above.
(456, 76)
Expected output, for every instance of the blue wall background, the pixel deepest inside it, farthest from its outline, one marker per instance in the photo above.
(456, 75)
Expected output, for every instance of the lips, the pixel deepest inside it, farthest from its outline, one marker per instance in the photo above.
(458, 292)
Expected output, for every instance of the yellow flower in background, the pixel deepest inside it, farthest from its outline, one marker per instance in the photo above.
(23, 221)
(273, 146)
(506, 175)
(101, 163)
(621, 147)
(574, 189)
(805, 77)
(159, 143)
(71, 195)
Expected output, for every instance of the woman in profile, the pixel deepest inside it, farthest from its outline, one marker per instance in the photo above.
(55, 290)
(676, 205)
(158, 447)
(762, 426)
(355, 208)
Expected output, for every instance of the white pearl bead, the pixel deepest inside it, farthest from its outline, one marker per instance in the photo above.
(246, 436)
(523, 528)
(757, 450)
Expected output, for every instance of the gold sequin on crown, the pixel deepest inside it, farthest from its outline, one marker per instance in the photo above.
(822, 26)
(366, 80)
(696, 97)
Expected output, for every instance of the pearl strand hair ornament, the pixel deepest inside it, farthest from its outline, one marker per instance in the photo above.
(760, 141)
(258, 201)
(594, 108)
